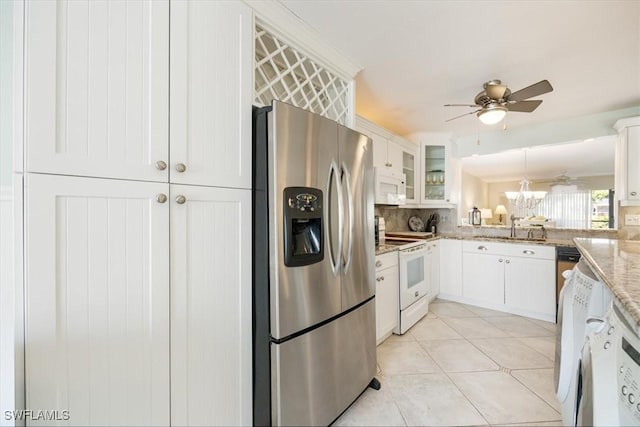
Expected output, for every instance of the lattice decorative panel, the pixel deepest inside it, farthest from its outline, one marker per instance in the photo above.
(284, 74)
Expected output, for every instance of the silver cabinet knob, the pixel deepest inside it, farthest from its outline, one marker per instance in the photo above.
(180, 200)
(378, 264)
(507, 261)
(181, 167)
(500, 260)
(633, 193)
(160, 165)
(161, 198)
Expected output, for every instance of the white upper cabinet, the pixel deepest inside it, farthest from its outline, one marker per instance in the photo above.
(627, 159)
(211, 93)
(210, 306)
(97, 88)
(411, 169)
(97, 299)
(436, 175)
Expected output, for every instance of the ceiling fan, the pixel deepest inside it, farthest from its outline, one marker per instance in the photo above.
(562, 179)
(496, 99)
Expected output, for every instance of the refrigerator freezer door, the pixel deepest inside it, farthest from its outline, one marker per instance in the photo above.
(302, 152)
(316, 376)
(356, 168)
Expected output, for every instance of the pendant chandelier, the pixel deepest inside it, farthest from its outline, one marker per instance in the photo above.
(525, 199)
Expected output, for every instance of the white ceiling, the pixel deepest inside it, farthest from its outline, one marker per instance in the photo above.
(575, 159)
(418, 55)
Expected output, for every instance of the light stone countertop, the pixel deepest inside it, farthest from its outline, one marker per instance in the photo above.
(383, 249)
(617, 264)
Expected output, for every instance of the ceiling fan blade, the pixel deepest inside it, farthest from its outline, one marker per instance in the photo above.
(462, 115)
(495, 91)
(460, 105)
(536, 89)
(524, 106)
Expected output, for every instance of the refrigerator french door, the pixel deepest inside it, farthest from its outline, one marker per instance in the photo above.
(314, 318)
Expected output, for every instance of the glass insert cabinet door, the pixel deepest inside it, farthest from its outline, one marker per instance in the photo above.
(434, 172)
(408, 168)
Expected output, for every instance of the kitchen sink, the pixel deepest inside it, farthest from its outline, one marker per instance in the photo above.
(514, 239)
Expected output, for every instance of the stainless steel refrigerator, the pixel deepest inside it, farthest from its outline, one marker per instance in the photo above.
(313, 288)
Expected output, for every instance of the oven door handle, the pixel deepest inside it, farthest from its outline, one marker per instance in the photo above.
(346, 180)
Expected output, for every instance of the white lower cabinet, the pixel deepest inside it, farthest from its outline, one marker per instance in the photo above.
(483, 278)
(450, 268)
(517, 278)
(97, 300)
(112, 268)
(387, 295)
(433, 269)
(529, 286)
(210, 306)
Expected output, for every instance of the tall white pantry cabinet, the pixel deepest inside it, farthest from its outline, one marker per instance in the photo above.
(137, 154)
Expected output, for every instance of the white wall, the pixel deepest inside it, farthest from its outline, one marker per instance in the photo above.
(474, 192)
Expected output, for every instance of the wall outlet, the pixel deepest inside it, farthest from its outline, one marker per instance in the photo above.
(632, 219)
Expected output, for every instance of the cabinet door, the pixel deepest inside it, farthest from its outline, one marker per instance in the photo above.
(530, 285)
(211, 93)
(435, 178)
(210, 306)
(434, 269)
(633, 159)
(97, 300)
(483, 278)
(410, 169)
(451, 267)
(379, 151)
(97, 88)
(394, 157)
(387, 308)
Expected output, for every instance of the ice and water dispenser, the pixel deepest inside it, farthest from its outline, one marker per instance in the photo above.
(303, 234)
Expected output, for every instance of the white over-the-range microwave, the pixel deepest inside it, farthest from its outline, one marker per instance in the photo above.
(390, 187)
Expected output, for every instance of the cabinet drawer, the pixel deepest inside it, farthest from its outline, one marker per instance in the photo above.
(531, 251)
(387, 260)
(485, 247)
(509, 249)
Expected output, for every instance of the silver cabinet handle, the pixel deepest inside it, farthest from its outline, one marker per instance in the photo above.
(181, 199)
(160, 165)
(378, 264)
(382, 278)
(507, 261)
(482, 248)
(181, 167)
(528, 252)
(633, 193)
(500, 260)
(161, 198)
(378, 279)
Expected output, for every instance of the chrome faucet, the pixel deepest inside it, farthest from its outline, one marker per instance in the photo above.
(530, 233)
(513, 225)
(544, 233)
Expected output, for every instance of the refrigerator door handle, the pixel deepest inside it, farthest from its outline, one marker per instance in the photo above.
(346, 180)
(335, 260)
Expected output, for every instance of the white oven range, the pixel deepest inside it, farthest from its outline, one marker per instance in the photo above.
(413, 289)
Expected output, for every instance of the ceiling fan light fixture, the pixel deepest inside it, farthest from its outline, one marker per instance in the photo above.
(492, 114)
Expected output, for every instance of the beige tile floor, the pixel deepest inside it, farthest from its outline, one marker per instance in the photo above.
(463, 365)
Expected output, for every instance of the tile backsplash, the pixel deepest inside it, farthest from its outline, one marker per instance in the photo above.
(628, 232)
(397, 219)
